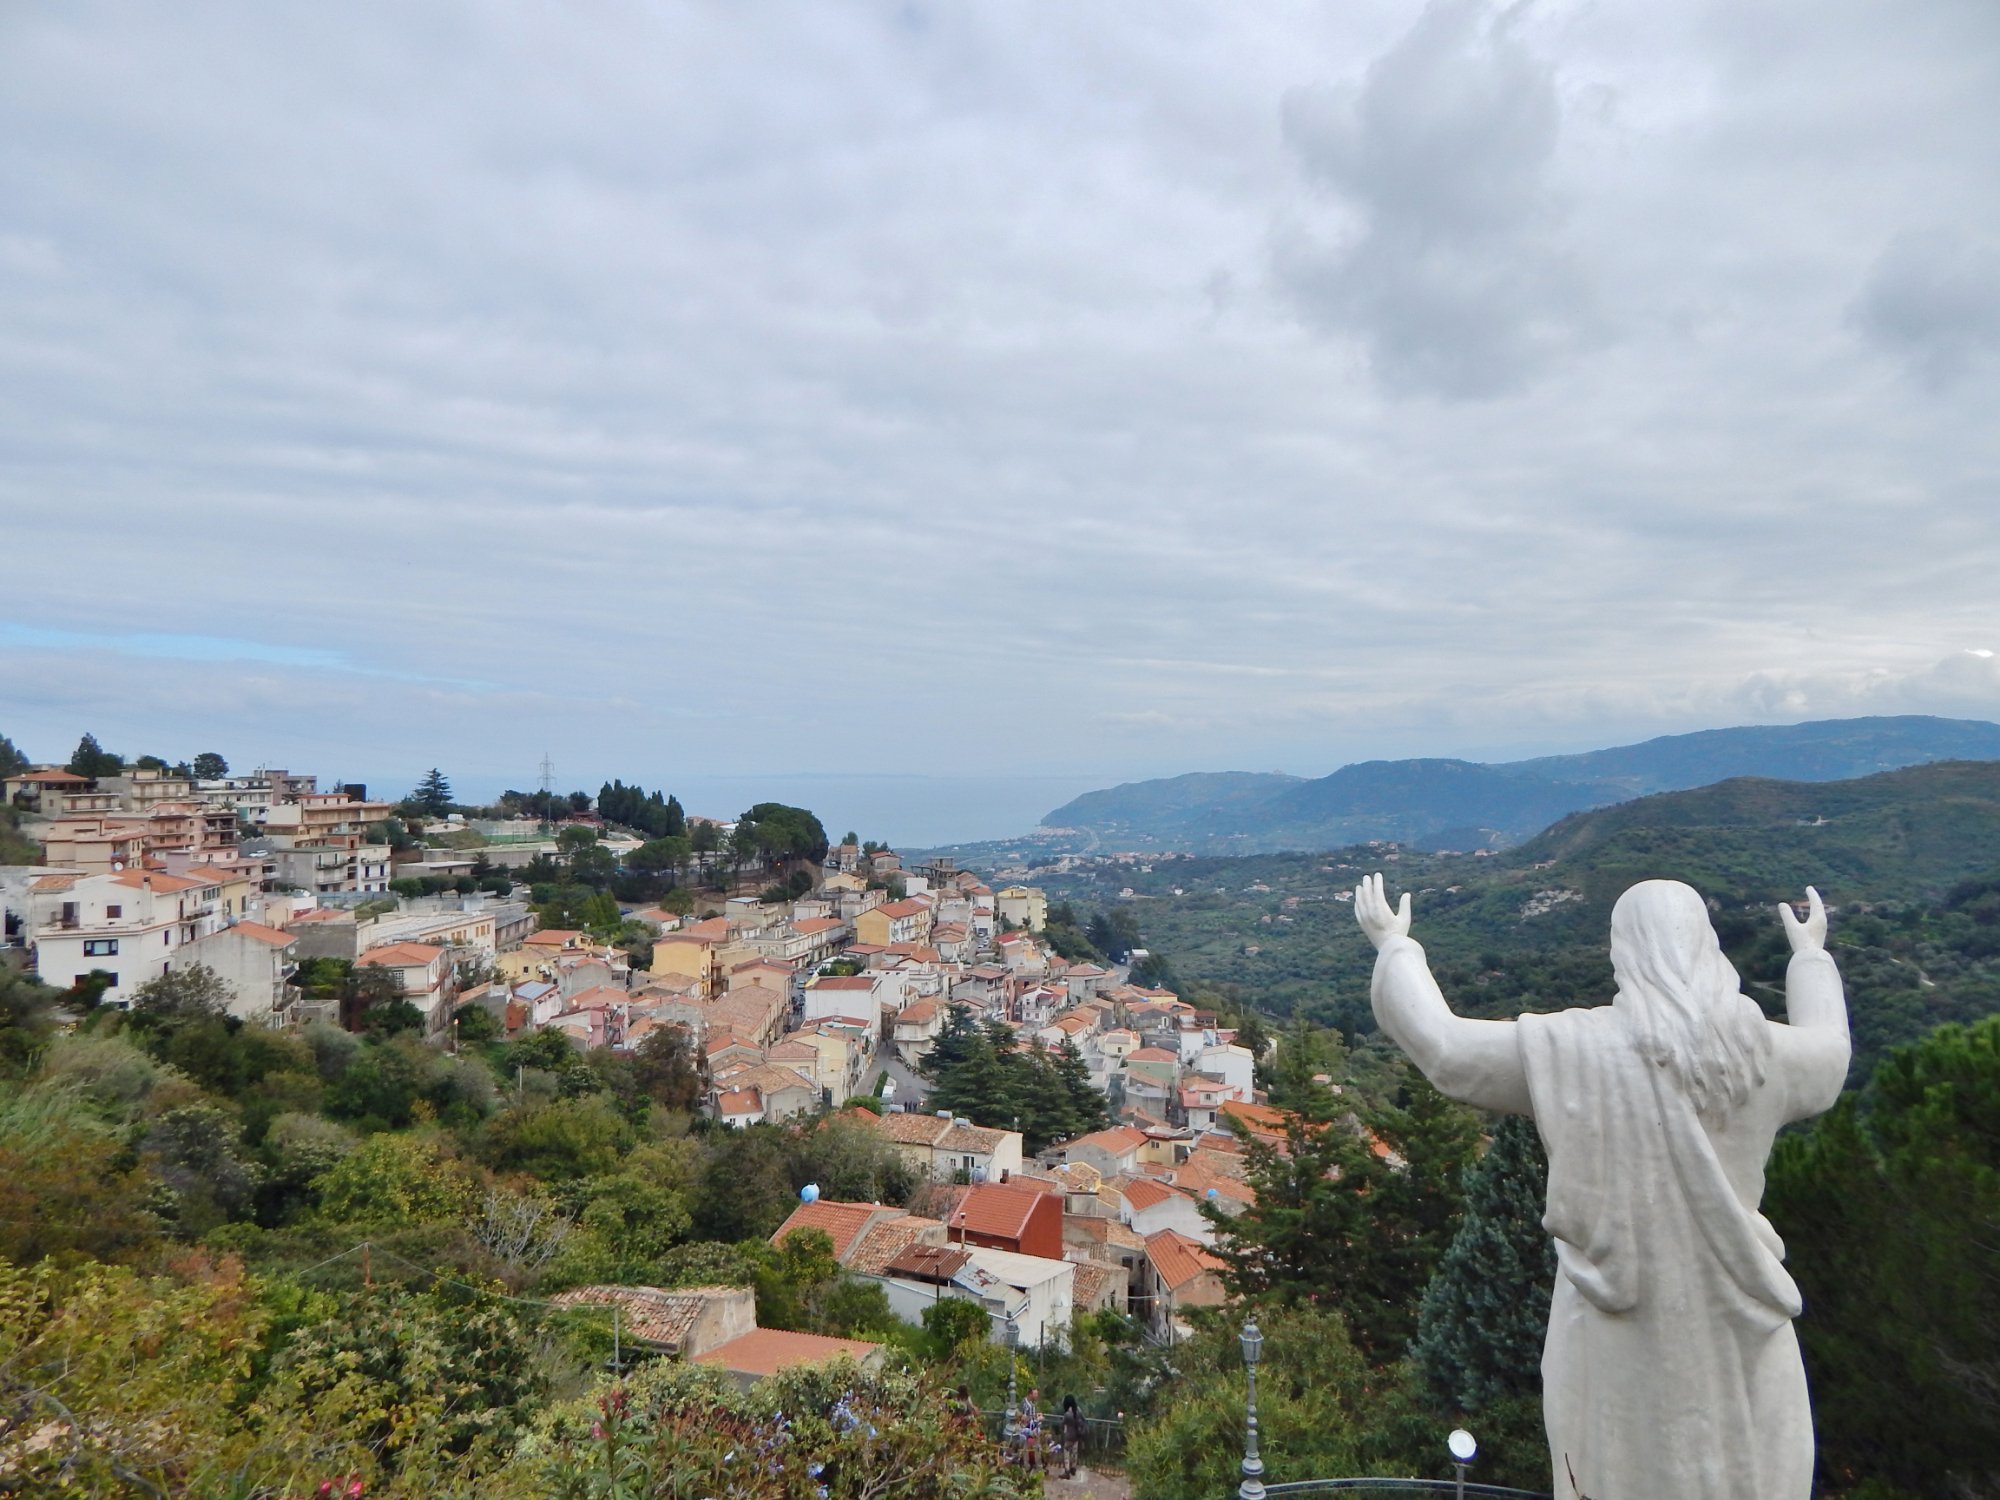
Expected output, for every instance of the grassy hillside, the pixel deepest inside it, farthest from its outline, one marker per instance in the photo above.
(1909, 859)
(16, 848)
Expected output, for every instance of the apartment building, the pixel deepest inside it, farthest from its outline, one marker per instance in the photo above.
(130, 926)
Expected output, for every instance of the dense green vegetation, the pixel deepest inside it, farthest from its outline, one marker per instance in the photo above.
(1910, 860)
(1044, 1093)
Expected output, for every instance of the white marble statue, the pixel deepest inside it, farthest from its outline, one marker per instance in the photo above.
(1671, 1370)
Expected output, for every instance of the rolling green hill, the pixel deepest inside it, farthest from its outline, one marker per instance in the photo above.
(1909, 860)
(1439, 804)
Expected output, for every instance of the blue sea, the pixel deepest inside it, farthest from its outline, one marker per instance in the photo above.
(904, 811)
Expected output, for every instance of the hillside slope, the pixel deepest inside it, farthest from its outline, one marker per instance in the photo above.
(1440, 804)
(1909, 860)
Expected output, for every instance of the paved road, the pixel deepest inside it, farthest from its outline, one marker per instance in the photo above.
(910, 1089)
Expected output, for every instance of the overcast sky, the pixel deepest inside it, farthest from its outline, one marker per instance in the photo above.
(1102, 389)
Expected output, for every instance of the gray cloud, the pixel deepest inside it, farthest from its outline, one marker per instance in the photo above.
(1455, 277)
(1933, 300)
(713, 390)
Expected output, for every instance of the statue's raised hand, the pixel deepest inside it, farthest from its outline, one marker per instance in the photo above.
(1373, 912)
(1808, 936)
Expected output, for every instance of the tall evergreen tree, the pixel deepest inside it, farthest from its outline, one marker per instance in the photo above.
(92, 759)
(433, 793)
(1086, 1100)
(1486, 1311)
(1893, 1215)
(673, 824)
(12, 761)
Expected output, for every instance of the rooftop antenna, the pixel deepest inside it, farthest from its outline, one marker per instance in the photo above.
(548, 788)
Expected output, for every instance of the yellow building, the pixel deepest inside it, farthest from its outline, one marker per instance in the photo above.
(695, 953)
(896, 922)
(1023, 906)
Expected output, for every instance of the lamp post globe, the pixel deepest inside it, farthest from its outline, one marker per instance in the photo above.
(1464, 1448)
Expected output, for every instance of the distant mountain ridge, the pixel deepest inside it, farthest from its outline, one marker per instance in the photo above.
(1460, 804)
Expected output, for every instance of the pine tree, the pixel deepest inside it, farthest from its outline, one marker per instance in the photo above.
(1086, 1101)
(1486, 1311)
(433, 793)
(92, 759)
(675, 824)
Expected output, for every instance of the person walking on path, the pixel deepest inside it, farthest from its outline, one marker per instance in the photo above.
(1072, 1436)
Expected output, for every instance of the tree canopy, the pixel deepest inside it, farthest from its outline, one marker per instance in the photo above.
(433, 794)
(92, 759)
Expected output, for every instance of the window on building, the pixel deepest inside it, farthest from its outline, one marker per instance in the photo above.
(100, 947)
(112, 913)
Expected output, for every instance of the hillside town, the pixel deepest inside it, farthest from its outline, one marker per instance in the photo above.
(823, 999)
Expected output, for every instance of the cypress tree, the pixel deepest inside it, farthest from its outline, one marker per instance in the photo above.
(1486, 1311)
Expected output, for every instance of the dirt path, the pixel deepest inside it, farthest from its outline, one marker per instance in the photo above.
(1088, 1485)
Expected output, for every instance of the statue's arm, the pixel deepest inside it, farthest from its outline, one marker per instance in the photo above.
(1475, 1062)
(1814, 1048)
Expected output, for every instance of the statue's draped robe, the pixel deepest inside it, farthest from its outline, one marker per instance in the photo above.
(1671, 1370)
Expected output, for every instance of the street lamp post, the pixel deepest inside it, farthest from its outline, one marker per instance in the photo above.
(1252, 1487)
(1011, 1427)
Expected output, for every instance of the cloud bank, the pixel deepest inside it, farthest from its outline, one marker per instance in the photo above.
(694, 390)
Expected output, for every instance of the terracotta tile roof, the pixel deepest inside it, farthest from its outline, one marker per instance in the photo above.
(319, 914)
(651, 1315)
(722, 1041)
(263, 934)
(597, 997)
(212, 874)
(553, 937)
(843, 1223)
(48, 883)
(1118, 1140)
(1199, 1177)
(52, 778)
(1179, 1259)
(1109, 1232)
(886, 1241)
(1152, 1055)
(766, 1351)
(769, 1079)
(1259, 1118)
(739, 1102)
(974, 1138)
(154, 880)
(400, 956)
(714, 930)
(1092, 1281)
(911, 908)
(997, 1208)
(843, 982)
(913, 1130)
(1144, 1193)
(812, 926)
(922, 1011)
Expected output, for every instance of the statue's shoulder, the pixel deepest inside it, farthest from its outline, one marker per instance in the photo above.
(1586, 1027)
(1575, 1017)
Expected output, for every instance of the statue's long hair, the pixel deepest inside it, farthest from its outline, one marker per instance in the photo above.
(1682, 999)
